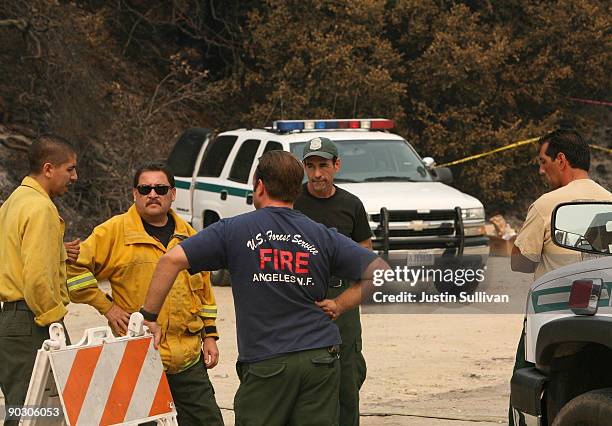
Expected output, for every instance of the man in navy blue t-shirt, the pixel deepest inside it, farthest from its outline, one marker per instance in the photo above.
(280, 262)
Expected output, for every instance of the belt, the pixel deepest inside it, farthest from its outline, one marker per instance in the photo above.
(18, 305)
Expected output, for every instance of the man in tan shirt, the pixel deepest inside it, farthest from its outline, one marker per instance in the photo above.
(564, 161)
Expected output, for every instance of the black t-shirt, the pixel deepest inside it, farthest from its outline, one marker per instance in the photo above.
(342, 211)
(162, 233)
(345, 212)
(280, 263)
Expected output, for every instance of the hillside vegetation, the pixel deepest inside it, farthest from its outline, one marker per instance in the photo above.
(122, 78)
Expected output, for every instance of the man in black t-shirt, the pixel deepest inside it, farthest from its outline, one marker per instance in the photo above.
(334, 207)
(280, 263)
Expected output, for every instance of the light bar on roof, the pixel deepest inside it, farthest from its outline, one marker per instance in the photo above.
(362, 123)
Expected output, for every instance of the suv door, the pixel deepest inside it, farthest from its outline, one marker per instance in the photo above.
(223, 179)
(240, 190)
(207, 202)
(183, 161)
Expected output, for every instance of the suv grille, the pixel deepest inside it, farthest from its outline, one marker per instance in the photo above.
(408, 215)
(438, 223)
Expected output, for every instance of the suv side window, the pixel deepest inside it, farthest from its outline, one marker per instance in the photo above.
(272, 146)
(244, 161)
(215, 156)
(185, 152)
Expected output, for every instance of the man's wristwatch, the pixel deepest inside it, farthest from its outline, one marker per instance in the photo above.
(148, 316)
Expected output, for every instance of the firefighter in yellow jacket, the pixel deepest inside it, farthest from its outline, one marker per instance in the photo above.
(125, 250)
(33, 264)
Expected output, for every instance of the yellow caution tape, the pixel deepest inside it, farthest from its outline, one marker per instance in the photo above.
(601, 148)
(504, 148)
(484, 154)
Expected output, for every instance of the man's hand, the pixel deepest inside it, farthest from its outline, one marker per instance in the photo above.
(330, 307)
(211, 352)
(155, 330)
(73, 249)
(118, 319)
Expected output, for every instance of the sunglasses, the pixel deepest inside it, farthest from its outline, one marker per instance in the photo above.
(146, 189)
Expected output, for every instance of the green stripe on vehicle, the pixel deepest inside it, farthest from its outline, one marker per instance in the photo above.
(211, 187)
(182, 184)
(564, 305)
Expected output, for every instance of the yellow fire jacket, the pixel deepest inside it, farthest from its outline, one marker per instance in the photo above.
(33, 265)
(122, 252)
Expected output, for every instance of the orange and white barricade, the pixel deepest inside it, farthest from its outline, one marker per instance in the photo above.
(102, 380)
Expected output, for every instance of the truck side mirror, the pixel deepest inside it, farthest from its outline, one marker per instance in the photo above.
(443, 174)
(428, 162)
(583, 226)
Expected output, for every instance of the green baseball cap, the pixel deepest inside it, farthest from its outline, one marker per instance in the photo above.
(321, 147)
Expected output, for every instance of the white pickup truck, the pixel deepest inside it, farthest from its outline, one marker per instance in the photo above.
(416, 218)
(568, 329)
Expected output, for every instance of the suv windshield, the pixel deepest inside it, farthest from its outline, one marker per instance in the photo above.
(375, 161)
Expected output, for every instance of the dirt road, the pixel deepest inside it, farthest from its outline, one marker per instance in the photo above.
(437, 368)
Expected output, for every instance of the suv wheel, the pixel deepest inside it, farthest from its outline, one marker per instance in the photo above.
(592, 408)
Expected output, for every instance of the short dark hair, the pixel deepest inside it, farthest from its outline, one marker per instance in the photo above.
(570, 143)
(282, 174)
(48, 148)
(154, 167)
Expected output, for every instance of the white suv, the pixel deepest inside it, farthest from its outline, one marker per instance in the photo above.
(568, 325)
(416, 219)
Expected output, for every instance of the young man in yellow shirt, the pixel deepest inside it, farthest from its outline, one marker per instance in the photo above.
(33, 267)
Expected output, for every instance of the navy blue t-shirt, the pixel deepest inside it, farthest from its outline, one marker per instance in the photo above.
(280, 262)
